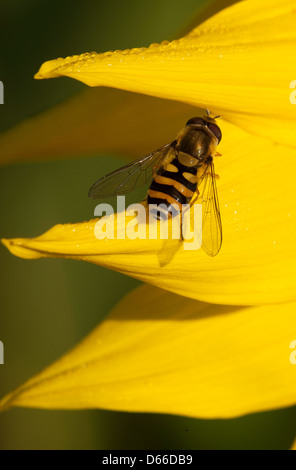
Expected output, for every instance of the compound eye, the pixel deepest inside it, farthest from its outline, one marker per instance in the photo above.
(196, 120)
(216, 131)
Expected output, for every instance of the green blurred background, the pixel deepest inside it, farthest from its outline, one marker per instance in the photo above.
(47, 306)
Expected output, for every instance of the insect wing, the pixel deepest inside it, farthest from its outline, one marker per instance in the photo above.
(211, 218)
(129, 177)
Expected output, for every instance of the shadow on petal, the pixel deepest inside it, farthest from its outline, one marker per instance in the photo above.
(183, 357)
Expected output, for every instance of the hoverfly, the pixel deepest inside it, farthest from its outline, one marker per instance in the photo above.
(181, 172)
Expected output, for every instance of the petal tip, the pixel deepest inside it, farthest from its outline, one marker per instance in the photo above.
(6, 402)
(47, 70)
(17, 247)
(6, 243)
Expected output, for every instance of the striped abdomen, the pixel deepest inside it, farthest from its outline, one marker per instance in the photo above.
(174, 186)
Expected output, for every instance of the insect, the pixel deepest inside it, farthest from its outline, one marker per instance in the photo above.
(181, 172)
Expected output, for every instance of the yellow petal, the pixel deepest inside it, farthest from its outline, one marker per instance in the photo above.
(293, 445)
(88, 124)
(239, 63)
(159, 352)
(257, 262)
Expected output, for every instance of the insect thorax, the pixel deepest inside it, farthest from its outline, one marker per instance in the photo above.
(195, 142)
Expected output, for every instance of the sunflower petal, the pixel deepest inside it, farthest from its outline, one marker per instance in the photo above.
(87, 124)
(257, 263)
(159, 352)
(239, 63)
